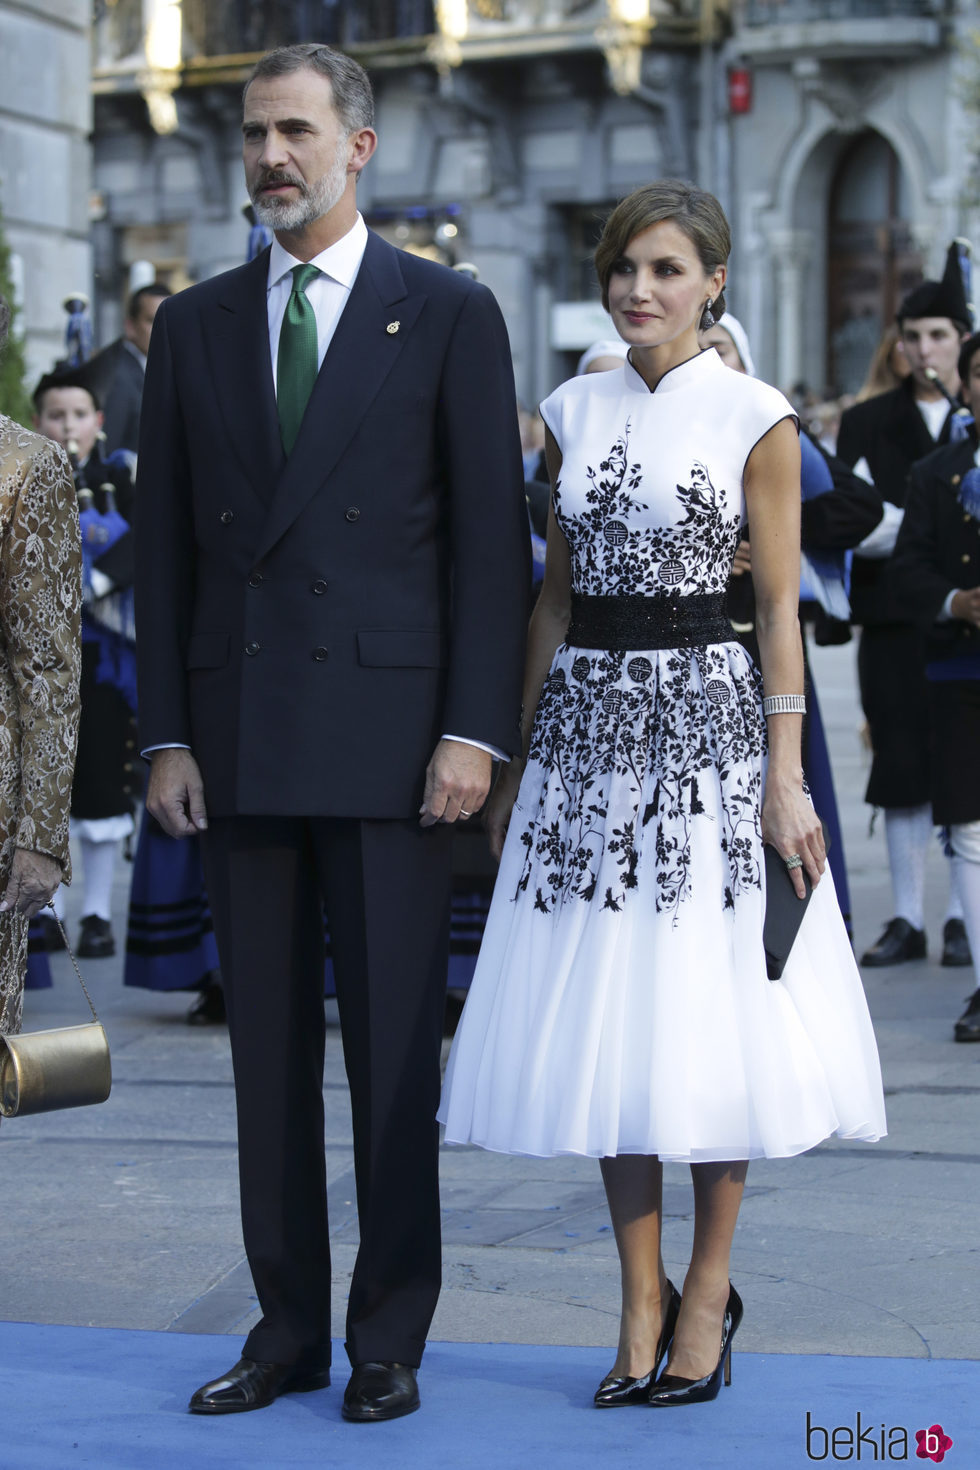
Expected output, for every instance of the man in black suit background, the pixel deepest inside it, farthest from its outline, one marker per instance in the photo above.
(332, 584)
(117, 371)
(883, 437)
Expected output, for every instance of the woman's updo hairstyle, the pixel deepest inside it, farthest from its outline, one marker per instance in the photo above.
(692, 210)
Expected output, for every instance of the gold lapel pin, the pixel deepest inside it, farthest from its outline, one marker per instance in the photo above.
(392, 328)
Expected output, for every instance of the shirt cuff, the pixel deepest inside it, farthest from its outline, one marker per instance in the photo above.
(880, 542)
(945, 613)
(498, 755)
(167, 745)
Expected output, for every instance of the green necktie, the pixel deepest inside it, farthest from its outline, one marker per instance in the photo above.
(297, 367)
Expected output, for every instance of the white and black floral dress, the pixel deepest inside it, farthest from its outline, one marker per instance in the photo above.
(620, 1002)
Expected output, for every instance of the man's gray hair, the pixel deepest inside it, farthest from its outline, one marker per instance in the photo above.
(353, 99)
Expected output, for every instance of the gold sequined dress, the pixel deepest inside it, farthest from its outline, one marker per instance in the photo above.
(40, 604)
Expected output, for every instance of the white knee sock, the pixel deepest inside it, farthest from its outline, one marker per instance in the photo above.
(908, 831)
(98, 863)
(954, 908)
(966, 877)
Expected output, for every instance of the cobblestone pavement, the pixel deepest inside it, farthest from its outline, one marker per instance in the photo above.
(126, 1214)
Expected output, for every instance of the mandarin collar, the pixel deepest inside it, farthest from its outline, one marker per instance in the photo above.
(698, 368)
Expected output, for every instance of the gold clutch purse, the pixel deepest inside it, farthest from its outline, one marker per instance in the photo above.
(66, 1067)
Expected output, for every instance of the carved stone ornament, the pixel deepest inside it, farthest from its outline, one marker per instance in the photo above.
(848, 90)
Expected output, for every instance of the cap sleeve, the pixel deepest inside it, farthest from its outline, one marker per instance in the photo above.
(552, 411)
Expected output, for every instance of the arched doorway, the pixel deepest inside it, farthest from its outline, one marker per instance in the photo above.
(871, 257)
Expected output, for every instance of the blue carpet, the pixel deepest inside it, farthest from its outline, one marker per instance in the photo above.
(75, 1396)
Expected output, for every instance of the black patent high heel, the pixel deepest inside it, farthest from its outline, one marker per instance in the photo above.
(617, 1390)
(671, 1389)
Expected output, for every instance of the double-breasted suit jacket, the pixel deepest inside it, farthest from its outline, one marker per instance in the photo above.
(310, 626)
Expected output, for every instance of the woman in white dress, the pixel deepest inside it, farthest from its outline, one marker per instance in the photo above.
(620, 1006)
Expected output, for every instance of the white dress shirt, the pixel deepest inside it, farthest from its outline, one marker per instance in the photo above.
(328, 294)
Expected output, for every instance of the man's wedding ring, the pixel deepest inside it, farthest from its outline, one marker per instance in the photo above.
(793, 861)
(464, 814)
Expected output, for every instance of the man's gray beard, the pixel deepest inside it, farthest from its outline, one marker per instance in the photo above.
(317, 200)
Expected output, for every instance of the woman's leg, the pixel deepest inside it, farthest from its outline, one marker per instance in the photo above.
(634, 1187)
(697, 1339)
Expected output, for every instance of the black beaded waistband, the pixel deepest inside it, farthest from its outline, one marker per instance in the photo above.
(649, 622)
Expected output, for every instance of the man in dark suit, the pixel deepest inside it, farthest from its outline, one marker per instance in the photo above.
(935, 570)
(883, 437)
(117, 371)
(332, 585)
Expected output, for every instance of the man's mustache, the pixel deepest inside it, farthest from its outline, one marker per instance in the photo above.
(271, 180)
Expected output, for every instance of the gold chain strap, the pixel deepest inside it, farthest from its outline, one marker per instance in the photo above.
(75, 966)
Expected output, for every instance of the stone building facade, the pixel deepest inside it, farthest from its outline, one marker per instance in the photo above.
(509, 127)
(850, 173)
(45, 123)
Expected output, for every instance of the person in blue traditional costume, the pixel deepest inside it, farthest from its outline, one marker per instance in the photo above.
(66, 406)
(78, 333)
(935, 572)
(838, 511)
(170, 942)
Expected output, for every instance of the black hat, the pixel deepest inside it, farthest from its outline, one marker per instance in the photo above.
(63, 376)
(940, 298)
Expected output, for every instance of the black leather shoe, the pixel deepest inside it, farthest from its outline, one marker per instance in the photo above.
(967, 1027)
(95, 940)
(956, 946)
(898, 943)
(209, 1008)
(380, 1391)
(618, 1390)
(253, 1385)
(672, 1390)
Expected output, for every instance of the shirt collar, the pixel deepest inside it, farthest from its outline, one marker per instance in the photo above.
(340, 261)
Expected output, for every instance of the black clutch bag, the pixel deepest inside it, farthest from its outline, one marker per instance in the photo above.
(784, 911)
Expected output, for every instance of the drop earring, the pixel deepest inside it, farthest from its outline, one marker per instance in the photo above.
(707, 317)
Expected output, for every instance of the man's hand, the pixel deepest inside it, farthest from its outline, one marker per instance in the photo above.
(966, 606)
(175, 793)
(33, 879)
(457, 780)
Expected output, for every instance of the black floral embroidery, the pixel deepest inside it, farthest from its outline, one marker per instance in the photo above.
(625, 739)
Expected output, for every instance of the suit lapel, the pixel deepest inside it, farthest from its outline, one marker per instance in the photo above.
(361, 354)
(238, 345)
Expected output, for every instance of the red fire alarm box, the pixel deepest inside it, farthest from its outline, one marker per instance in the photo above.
(740, 89)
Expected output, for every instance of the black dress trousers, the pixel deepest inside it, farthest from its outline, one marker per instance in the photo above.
(386, 888)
